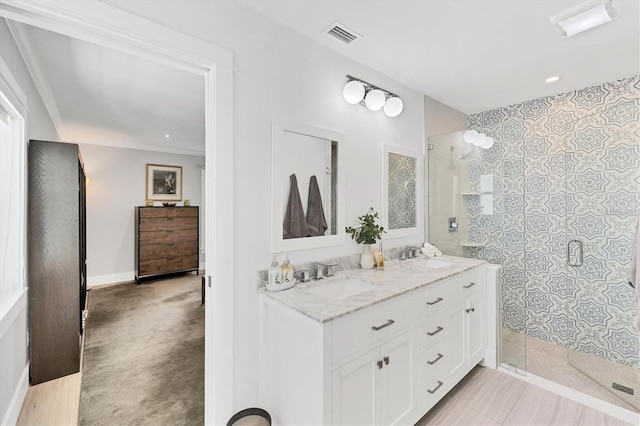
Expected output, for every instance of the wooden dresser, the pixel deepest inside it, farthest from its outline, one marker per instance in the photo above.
(166, 240)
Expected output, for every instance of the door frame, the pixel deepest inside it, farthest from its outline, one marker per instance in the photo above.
(105, 25)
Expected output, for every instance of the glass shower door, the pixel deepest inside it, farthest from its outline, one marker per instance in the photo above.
(602, 204)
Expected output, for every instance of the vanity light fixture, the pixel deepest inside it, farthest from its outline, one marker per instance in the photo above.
(478, 139)
(584, 16)
(167, 135)
(552, 79)
(358, 91)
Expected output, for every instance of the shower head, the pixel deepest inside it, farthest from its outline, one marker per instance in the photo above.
(466, 154)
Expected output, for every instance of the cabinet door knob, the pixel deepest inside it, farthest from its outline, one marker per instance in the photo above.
(436, 388)
(386, 360)
(469, 286)
(379, 365)
(438, 358)
(470, 310)
(438, 300)
(380, 327)
(437, 330)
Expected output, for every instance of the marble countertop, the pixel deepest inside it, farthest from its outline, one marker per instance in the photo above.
(398, 277)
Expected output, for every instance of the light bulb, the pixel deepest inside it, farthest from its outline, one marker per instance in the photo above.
(393, 107)
(375, 99)
(353, 92)
(470, 136)
(479, 140)
(488, 143)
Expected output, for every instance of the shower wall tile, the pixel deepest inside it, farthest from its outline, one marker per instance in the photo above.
(565, 167)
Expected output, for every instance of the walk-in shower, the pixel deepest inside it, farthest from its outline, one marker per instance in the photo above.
(565, 197)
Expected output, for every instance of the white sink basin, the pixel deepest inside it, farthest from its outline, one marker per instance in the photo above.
(435, 264)
(338, 288)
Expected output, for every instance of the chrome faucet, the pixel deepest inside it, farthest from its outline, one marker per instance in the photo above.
(320, 270)
(411, 252)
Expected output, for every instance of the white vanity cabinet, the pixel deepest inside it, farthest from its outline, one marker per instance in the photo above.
(467, 322)
(387, 363)
(377, 388)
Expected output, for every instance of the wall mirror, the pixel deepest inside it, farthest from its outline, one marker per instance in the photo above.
(402, 202)
(307, 185)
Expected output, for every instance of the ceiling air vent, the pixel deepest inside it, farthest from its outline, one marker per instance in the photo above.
(342, 33)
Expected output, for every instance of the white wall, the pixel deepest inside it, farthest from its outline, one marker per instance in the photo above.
(281, 72)
(14, 357)
(117, 179)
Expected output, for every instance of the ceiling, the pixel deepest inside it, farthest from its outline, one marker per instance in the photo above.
(473, 55)
(103, 96)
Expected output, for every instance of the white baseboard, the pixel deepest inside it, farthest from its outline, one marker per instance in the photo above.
(13, 411)
(110, 278)
(579, 397)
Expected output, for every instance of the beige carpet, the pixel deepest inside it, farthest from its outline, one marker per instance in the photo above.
(144, 355)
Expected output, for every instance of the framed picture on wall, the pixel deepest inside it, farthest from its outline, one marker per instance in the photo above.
(164, 183)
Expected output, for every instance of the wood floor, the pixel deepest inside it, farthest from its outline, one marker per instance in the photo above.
(485, 397)
(55, 402)
(489, 397)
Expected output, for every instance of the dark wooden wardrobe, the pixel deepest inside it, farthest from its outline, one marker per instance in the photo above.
(57, 258)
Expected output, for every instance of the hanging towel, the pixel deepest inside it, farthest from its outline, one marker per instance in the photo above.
(633, 276)
(295, 224)
(315, 213)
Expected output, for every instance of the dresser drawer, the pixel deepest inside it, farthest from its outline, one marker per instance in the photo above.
(170, 264)
(154, 251)
(371, 326)
(156, 212)
(168, 223)
(168, 236)
(432, 360)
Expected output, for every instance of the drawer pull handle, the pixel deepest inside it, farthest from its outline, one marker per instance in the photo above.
(436, 388)
(379, 365)
(170, 244)
(169, 230)
(438, 358)
(438, 300)
(169, 258)
(380, 327)
(386, 360)
(470, 310)
(433, 333)
(170, 218)
(469, 286)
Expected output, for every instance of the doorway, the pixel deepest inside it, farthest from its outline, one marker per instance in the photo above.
(109, 27)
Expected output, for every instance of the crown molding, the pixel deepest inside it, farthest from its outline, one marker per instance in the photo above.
(36, 71)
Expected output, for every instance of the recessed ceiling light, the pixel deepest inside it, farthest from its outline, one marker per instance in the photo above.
(167, 135)
(553, 79)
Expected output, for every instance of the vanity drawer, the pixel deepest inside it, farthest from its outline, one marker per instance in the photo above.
(439, 296)
(432, 360)
(469, 282)
(432, 331)
(430, 391)
(371, 326)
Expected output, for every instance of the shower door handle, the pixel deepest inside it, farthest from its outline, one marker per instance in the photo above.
(570, 248)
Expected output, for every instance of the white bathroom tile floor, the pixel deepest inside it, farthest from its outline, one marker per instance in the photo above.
(490, 397)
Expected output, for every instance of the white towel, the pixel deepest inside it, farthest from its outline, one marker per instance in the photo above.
(633, 276)
(430, 250)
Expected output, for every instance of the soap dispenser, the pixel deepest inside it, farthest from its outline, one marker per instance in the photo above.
(275, 273)
(287, 271)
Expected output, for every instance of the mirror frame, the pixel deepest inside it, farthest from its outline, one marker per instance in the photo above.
(419, 196)
(278, 243)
